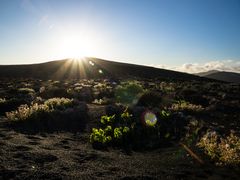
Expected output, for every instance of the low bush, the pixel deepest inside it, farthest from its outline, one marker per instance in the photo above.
(84, 93)
(113, 131)
(25, 112)
(130, 131)
(103, 101)
(59, 103)
(53, 114)
(186, 106)
(129, 93)
(26, 91)
(7, 105)
(52, 92)
(223, 150)
(150, 99)
(2, 100)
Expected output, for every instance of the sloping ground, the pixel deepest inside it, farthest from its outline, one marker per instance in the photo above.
(90, 68)
(222, 76)
(67, 155)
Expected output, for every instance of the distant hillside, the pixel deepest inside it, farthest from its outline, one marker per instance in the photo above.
(202, 74)
(90, 68)
(221, 75)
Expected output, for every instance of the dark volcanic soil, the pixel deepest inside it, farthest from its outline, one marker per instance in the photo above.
(69, 155)
(66, 155)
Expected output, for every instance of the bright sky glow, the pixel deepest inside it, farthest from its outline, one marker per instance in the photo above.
(156, 32)
(76, 45)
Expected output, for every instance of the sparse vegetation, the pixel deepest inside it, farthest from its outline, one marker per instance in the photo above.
(128, 93)
(102, 119)
(223, 150)
(128, 130)
(25, 112)
(186, 106)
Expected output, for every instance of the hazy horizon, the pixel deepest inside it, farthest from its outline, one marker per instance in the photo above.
(191, 36)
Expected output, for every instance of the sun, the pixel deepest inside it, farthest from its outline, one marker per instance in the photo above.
(76, 46)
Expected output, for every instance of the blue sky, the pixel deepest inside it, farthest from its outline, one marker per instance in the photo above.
(153, 32)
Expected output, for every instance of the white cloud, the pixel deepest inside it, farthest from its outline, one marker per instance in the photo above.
(226, 65)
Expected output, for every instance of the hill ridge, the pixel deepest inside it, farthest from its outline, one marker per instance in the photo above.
(226, 76)
(90, 68)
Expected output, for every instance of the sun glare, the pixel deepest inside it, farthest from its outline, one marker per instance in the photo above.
(76, 46)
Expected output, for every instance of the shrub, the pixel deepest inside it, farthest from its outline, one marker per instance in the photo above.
(102, 101)
(59, 103)
(114, 131)
(42, 89)
(25, 112)
(166, 87)
(53, 115)
(128, 93)
(2, 100)
(52, 92)
(11, 104)
(127, 130)
(26, 90)
(150, 99)
(84, 93)
(100, 136)
(186, 106)
(225, 151)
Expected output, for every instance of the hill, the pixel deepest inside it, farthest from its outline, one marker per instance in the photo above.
(90, 68)
(221, 75)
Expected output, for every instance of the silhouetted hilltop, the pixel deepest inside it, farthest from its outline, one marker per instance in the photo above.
(221, 75)
(90, 68)
(206, 73)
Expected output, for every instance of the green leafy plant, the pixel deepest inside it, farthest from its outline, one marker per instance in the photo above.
(113, 130)
(118, 133)
(125, 130)
(165, 114)
(99, 136)
(107, 119)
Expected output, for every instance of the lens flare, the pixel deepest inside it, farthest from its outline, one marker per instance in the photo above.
(91, 63)
(149, 118)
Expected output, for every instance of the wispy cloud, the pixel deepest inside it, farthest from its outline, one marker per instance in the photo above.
(225, 65)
